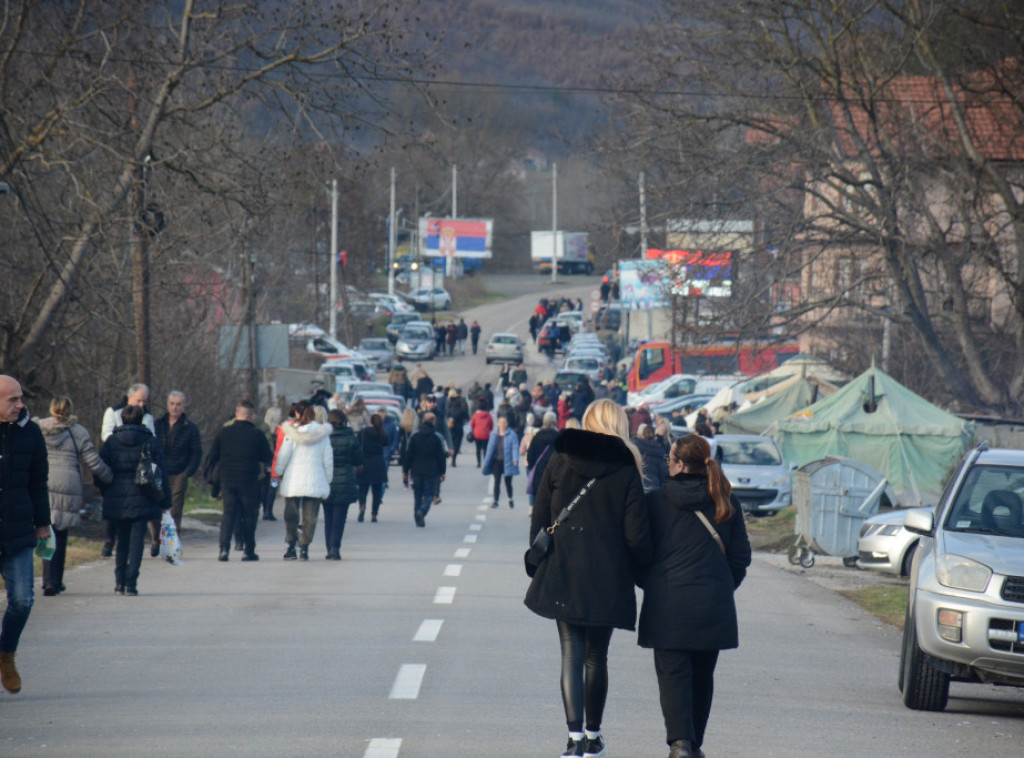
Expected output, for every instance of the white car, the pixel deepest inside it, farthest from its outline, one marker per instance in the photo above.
(392, 303)
(885, 544)
(504, 347)
(416, 342)
(754, 467)
(591, 365)
(429, 298)
(575, 320)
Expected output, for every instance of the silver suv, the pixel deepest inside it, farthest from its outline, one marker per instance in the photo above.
(965, 611)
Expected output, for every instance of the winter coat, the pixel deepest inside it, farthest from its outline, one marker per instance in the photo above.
(122, 498)
(305, 462)
(112, 420)
(564, 411)
(509, 454)
(639, 416)
(359, 420)
(182, 444)
(68, 447)
(653, 452)
(688, 588)
(588, 578)
(375, 466)
(394, 438)
(481, 425)
(237, 451)
(24, 467)
(424, 454)
(424, 386)
(347, 454)
(458, 411)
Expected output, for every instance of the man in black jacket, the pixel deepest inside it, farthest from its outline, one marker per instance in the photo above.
(425, 459)
(237, 451)
(24, 518)
(183, 452)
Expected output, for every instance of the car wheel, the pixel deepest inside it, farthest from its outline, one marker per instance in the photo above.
(925, 688)
(850, 561)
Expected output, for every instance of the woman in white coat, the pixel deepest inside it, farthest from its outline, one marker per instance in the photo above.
(305, 464)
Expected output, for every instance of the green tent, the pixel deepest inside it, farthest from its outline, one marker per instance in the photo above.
(876, 420)
(759, 417)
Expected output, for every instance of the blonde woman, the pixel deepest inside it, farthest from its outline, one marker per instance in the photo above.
(67, 447)
(586, 583)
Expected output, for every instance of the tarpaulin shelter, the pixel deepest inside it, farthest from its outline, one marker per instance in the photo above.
(877, 420)
(773, 405)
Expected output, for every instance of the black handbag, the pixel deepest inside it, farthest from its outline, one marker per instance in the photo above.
(541, 546)
(147, 475)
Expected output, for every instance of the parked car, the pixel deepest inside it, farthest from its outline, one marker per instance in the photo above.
(392, 304)
(965, 609)
(550, 338)
(364, 371)
(592, 366)
(504, 346)
(377, 352)
(754, 467)
(885, 544)
(416, 342)
(575, 320)
(685, 403)
(429, 298)
(567, 379)
(397, 323)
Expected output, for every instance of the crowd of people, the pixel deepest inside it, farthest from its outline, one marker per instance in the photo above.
(642, 509)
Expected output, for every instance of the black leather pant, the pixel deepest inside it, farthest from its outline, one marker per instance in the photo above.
(584, 674)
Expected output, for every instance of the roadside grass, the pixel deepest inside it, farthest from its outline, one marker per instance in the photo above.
(888, 604)
(200, 506)
(773, 534)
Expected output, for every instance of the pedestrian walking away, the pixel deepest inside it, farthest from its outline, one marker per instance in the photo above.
(374, 474)
(239, 451)
(183, 451)
(474, 335)
(501, 460)
(586, 584)
(701, 555)
(424, 461)
(463, 332)
(347, 454)
(481, 424)
(68, 448)
(268, 484)
(458, 417)
(305, 464)
(125, 504)
(24, 519)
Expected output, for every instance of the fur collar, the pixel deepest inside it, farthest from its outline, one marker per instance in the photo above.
(51, 426)
(309, 434)
(592, 447)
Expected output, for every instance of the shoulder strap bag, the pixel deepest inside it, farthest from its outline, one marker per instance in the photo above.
(147, 475)
(541, 546)
(712, 530)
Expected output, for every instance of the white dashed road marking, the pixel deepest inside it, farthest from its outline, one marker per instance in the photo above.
(453, 569)
(428, 630)
(407, 683)
(383, 747)
(469, 538)
(462, 552)
(444, 596)
(475, 527)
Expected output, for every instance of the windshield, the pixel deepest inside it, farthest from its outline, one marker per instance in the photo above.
(505, 339)
(373, 345)
(584, 364)
(989, 502)
(416, 333)
(748, 453)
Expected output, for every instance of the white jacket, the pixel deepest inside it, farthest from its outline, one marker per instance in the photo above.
(305, 461)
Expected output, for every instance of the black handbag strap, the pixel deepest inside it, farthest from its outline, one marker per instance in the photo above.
(567, 510)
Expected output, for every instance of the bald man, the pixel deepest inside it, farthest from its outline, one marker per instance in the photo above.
(24, 518)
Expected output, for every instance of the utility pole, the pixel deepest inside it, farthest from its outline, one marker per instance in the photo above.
(554, 223)
(455, 214)
(334, 259)
(392, 238)
(643, 240)
(141, 279)
(249, 300)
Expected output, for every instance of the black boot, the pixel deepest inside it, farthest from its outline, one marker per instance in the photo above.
(682, 749)
(304, 552)
(289, 554)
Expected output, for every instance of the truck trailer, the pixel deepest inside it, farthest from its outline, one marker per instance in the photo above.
(571, 251)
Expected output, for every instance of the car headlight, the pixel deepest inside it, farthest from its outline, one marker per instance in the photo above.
(889, 530)
(780, 482)
(962, 573)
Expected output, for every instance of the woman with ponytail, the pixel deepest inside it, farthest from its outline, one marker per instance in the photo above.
(701, 554)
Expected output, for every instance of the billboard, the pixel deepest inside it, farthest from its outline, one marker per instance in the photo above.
(456, 237)
(697, 273)
(641, 286)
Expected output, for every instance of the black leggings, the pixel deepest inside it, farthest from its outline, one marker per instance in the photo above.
(481, 450)
(584, 673)
(497, 487)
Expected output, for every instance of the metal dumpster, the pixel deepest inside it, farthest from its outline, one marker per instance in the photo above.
(833, 497)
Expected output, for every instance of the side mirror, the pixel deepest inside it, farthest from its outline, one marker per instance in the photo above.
(920, 522)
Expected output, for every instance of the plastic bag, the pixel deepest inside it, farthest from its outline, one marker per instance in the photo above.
(170, 544)
(44, 548)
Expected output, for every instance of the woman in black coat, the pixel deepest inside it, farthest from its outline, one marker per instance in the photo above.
(688, 611)
(124, 504)
(373, 477)
(348, 458)
(586, 584)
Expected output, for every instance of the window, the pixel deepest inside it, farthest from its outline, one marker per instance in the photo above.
(651, 360)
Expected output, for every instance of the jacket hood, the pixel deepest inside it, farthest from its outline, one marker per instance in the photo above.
(345, 431)
(592, 454)
(310, 434)
(687, 491)
(650, 447)
(52, 426)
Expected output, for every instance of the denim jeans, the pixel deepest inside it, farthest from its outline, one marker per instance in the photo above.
(128, 553)
(335, 515)
(16, 570)
(423, 491)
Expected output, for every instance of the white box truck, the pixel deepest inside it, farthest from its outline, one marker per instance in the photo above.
(570, 250)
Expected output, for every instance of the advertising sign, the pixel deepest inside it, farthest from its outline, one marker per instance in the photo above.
(456, 237)
(641, 285)
(696, 273)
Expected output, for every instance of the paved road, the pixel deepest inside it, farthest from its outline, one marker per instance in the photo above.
(417, 645)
